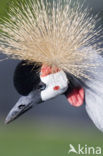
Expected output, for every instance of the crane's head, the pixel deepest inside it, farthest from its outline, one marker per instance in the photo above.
(41, 83)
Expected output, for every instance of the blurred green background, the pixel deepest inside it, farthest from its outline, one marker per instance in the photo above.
(47, 135)
(45, 139)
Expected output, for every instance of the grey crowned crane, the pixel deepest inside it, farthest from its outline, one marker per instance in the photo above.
(36, 87)
(60, 51)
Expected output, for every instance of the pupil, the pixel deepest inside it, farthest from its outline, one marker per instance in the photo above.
(42, 86)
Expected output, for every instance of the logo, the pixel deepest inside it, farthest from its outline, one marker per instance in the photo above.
(85, 150)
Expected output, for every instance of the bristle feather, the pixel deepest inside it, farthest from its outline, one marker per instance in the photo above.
(51, 34)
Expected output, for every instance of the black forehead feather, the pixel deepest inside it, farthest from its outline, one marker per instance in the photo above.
(26, 77)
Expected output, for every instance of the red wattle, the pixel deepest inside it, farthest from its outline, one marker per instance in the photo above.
(76, 97)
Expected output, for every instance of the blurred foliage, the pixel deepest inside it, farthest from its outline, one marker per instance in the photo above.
(32, 139)
(4, 6)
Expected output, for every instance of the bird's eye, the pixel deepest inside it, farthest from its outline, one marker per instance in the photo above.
(42, 86)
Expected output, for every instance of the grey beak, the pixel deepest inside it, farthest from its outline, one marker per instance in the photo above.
(23, 104)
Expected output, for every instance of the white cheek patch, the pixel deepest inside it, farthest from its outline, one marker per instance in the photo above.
(56, 84)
